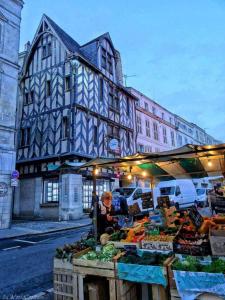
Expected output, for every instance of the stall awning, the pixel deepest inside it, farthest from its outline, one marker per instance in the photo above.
(189, 161)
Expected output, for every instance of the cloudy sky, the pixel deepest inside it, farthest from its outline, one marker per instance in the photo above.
(175, 48)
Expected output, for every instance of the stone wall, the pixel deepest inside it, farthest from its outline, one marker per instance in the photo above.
(9, 47)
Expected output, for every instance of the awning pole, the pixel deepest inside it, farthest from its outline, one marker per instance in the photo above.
(95, 206)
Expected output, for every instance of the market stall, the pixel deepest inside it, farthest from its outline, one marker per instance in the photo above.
(151, 257)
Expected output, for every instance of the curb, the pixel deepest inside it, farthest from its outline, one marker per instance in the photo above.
(46, 232)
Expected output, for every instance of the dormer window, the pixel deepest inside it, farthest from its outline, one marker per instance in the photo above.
(107, 61)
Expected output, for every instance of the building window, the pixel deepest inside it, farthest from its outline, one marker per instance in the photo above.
(48, 88)
(146, 106)
(51, 190)
(163, 116)
(164, 135)
(68, 83)
(128, 140)
(153, 110)
(103, 58)
(25, 137)
(26, 98)
(140, 148)
(113, 131)
(139, 128)
(113, 98)
(101, 89)
(65, 127)
(155, 131)
(148, 149)
(32, 97)
(107, 61)
(128, 106)
(147, 125)
(95, 135)
(180, 140)
(46, 50)
(171, 120)
(172, 138)
(186, 140)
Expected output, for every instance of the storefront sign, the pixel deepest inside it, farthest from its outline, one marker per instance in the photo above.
(3, 189)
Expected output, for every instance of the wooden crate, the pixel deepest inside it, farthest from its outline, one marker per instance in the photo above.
(63, 280)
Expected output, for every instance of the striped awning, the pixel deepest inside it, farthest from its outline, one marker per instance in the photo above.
(189, 161)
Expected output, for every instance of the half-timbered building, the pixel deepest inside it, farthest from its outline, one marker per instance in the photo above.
(73, 107)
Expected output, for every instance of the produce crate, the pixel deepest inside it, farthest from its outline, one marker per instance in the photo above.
(93, 267)
(84, 269)
(188, 247)
(217, 241)
(63, 280)
(174, 295)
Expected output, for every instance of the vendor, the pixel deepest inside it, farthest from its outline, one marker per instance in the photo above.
(106, 211)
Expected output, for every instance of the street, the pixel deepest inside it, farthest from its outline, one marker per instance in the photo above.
(27, 263)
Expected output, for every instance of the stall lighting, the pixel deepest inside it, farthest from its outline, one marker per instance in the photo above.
(209, 163)
(129, 176)
(96, 171)
(144, 174)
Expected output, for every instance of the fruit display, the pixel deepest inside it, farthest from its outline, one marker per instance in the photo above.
(67, 251)
(191, 242)
(106, 254)
(194, 264)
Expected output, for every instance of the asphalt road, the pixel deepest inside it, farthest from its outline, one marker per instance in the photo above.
(26, 263)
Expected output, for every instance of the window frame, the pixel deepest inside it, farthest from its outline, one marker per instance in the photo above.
(51, 181)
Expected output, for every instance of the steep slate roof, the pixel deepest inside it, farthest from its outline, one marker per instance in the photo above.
(68, 41)
(102, 36)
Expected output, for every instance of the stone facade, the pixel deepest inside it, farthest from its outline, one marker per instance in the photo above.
(160, 130)
(10, 17)
(155, 125)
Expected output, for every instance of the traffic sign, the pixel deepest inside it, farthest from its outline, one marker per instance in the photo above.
(15, 174)
(14, 182)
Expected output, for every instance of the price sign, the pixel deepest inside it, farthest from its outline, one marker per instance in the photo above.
(195, 216)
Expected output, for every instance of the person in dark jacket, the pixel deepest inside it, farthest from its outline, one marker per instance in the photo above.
(105, 213)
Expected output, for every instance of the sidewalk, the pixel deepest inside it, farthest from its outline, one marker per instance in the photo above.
(19, 228)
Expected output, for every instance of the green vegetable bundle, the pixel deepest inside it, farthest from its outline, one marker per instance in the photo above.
(193, 264)
(106, 254)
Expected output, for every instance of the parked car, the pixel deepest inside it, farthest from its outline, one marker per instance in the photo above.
(139, 195)
(181, 192)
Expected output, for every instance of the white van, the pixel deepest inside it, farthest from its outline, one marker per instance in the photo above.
(202, 196)
(133, 195)
(181, 192)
